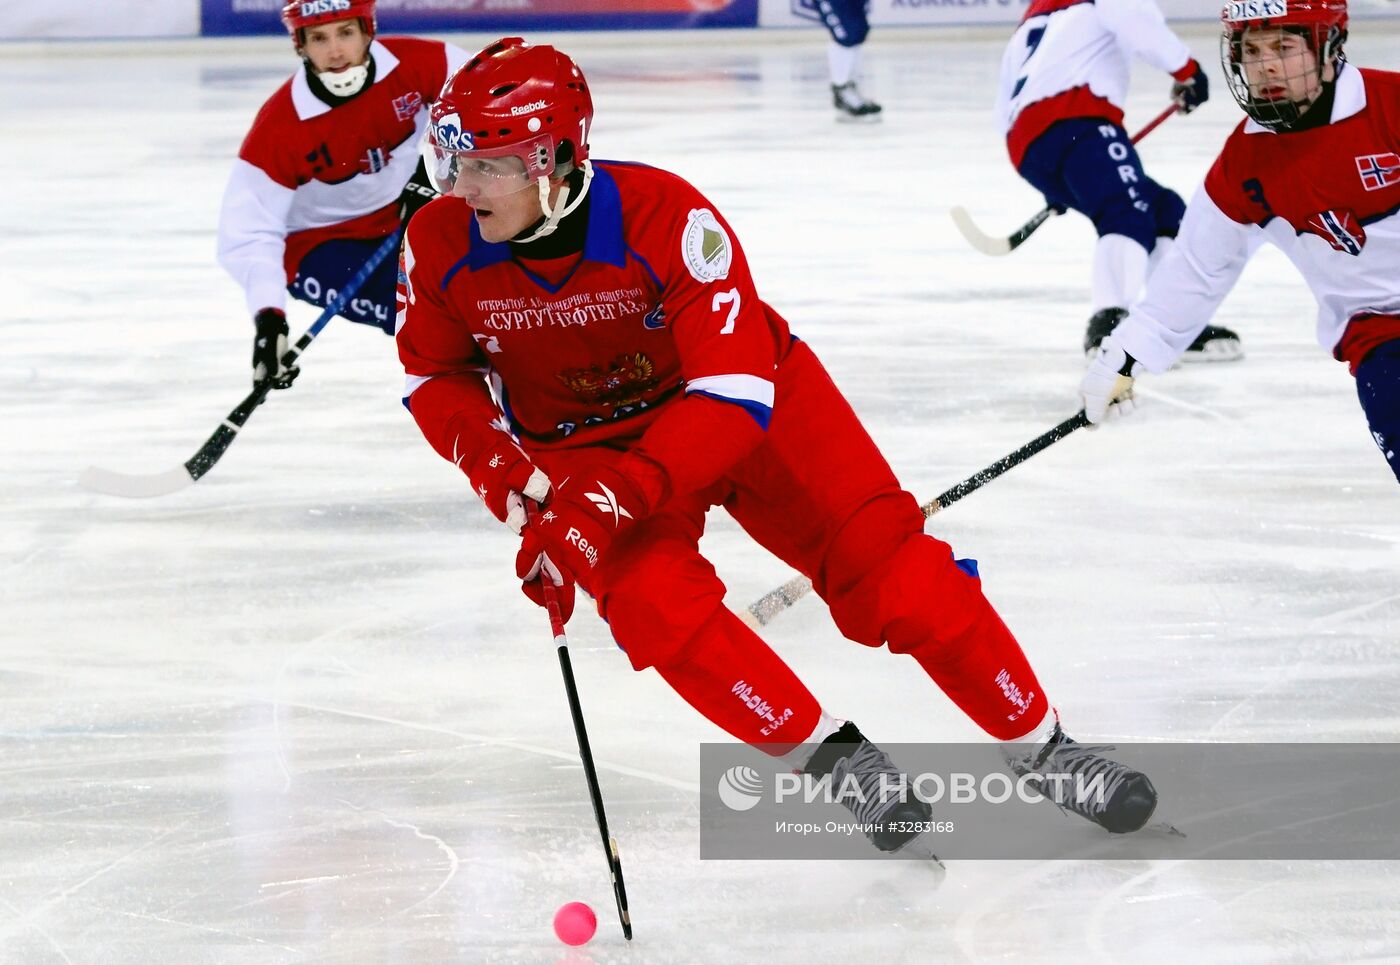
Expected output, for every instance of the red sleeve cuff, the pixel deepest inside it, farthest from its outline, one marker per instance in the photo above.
(1186, 72)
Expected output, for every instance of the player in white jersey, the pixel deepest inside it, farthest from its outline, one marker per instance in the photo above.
(1315, 169)
(329, 169)
(848, 23)
(1064, 78)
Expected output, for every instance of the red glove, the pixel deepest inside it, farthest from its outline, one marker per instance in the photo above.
(587, 513)
(533, 567)
(501, 474)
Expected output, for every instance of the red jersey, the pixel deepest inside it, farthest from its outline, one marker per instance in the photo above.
(657, 315)
(308, 172)
(1327, 196)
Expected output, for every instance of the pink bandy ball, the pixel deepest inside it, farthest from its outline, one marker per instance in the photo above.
(575, 923)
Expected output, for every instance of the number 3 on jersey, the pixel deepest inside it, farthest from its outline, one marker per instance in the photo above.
(730, 298)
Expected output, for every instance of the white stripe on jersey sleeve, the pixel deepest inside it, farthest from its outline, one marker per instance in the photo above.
(253, 235)
(412, 383)
(737, 388)
(749, 392)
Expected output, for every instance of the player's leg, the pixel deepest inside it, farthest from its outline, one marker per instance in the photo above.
(1378, 387)
(821, 496)
(1216, 343)
(663, 602)
(847, 22)
(1104, 175)
(326, 268)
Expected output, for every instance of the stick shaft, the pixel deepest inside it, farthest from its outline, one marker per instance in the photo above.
(762, 611)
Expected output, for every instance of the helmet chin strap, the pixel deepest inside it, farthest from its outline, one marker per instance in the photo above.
(345, 83)
(562, 209)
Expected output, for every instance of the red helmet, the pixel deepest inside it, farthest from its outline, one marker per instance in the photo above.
(300, 14)
(1322, 23)
(513, 99)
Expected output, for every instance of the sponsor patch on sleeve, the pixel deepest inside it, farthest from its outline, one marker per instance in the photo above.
(705, 247)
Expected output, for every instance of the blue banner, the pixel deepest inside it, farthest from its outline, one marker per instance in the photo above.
(222, 18)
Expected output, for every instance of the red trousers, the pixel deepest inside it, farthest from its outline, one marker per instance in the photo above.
(818, 494)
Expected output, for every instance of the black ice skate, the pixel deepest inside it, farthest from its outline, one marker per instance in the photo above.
(1101, 325)
(1127, 799)
(1214, 344)
(889, 801)
(852, 105)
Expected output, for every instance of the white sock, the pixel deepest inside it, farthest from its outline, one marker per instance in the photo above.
(844, 63)
(1041, 732)
(1159, 251)
(1120, 271)
(802, 753)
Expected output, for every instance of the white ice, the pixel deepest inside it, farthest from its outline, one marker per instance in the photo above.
(300, 712)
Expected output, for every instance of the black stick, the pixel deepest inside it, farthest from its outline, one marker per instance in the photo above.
(761, 612)
(585, 753)
(135, 486)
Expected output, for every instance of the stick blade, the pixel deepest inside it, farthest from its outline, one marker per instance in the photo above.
(133, 486)
(978, 238)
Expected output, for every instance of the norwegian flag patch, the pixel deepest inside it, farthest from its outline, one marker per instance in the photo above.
(1340, 229)
(406, 107)
(1378, 170)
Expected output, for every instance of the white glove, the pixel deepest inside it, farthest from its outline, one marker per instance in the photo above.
(1109, 381)
(536, 488)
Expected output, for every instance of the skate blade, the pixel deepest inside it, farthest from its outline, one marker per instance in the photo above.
(1216, 350)
(1163, 827)
(918, 849)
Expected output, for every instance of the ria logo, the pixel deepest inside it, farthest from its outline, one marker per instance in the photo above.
(607, 503)
(740, 787)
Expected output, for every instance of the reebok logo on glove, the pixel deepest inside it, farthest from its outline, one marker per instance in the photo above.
(607, 503)
(589, 552)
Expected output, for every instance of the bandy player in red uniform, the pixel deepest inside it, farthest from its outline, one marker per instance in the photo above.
(1315, 169)
(327, 171)
(586, 335)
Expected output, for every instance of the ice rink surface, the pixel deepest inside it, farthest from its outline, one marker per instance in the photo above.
(300, 712)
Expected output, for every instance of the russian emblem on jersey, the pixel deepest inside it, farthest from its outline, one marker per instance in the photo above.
(1340, 229)
(406, 106)
(705, 247)
(625, 380)
(448, 134)
(1378, 170)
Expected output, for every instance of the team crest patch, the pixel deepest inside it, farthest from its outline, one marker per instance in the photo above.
(1340, 229)
(1378, 170)
(448, 134)
(705, 247)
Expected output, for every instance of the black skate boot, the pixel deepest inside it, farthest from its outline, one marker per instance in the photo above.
(852, 105)
(1214, 344)
(1127, 799)
(888, 804)
(1101, 325)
